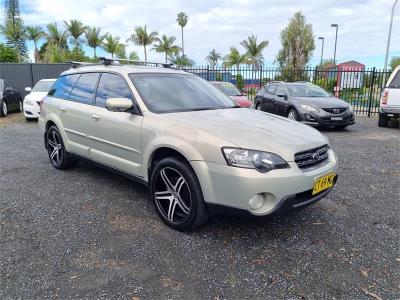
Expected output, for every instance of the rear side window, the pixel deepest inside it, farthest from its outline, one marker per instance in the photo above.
(62, 87)
(396, 81)
(280, 90)
(85, 88)
(111, 86)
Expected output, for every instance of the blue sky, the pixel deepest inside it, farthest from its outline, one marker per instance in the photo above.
(220, 24)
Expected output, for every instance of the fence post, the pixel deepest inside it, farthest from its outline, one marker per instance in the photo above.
(32, 81)
(371, 90)
(208, 73)
(261, 69)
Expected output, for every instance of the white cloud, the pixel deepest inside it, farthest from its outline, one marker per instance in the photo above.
(220, 24)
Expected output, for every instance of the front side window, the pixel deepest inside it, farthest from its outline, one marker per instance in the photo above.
(111, 86)
(164, 93)
(62, 87)
(280, 90)
(396, 81)
(271, 89)
(307, 90)
(85, 88)
(43, 86)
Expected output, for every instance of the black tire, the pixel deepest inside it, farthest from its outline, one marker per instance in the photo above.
(341, 127)
(21, 106)
(258, 107)
(383, 120)
(60, 159)
(3, 108)
(292, 114)
(186, 203)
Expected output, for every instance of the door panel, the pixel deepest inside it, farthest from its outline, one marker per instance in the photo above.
(280, 103)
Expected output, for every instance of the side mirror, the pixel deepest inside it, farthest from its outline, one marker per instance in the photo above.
(119, 104)
(28, 89)
(282, 96)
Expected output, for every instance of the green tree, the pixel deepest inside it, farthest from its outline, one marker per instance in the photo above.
(234, 58)
(141, 37)
(75, 29)
(34, 34)
(94, 38)
(181, 61)
(111, 44)
(297, 44)
(182, 20)
(394, 62)
(12, 15)
(55, 54)
(166, 45)
(56, 36)
(121, 51)
(254, 50)
(213, 57)
(14, 32)
(8, 54)
(134, 56)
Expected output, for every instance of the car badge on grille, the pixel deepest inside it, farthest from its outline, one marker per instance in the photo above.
(336, 110)
(316, 156)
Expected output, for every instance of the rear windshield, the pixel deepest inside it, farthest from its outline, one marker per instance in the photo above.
(43, 86)
(395, 83)
(227, 88)
(163, 93)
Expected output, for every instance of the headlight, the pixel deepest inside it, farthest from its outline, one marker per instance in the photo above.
(253, 159)
(309, 108)
(350, 108)
(28, 101)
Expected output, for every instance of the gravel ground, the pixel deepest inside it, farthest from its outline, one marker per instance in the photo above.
(87, 233)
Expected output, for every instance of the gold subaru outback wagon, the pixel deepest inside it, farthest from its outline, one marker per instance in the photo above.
(197, 151)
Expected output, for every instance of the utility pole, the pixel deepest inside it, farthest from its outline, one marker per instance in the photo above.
(389, 35)
(322, 49)
(334, 53)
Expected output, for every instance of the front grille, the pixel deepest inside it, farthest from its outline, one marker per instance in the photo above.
(335, 110)
(312, 158)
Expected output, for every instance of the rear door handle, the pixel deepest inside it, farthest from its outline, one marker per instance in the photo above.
(62, 108)
(95, 118)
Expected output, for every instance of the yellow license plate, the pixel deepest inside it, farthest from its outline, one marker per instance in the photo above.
(323, 183)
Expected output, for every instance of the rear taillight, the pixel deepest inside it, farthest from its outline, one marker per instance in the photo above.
(385, 96)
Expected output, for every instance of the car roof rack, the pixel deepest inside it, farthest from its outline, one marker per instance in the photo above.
(275, 81)
(109, 61)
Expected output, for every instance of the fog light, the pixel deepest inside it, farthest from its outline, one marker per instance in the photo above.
(257, 201)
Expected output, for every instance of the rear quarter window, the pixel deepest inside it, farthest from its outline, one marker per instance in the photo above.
(85, 88)
(63, 85)
(395, 83)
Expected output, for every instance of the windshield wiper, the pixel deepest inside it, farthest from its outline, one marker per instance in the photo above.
(203, 108)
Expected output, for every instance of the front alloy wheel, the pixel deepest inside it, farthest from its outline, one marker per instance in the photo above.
(292, 115)
(21, 106)
(3, 109)
(177, 194)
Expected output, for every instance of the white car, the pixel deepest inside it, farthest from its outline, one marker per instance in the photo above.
(390, 100)
(32, 100)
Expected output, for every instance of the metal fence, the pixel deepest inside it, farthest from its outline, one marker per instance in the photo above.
(359, 87)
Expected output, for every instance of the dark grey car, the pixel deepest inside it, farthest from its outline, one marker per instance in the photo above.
(304, 102)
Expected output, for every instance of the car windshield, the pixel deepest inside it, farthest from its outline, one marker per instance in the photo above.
(163, 93)
(43, 86)
(227, 88)
(306, 90)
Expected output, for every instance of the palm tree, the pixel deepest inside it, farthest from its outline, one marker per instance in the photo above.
(75, 29)
(14, 32)
(166, 45)
(140, 37)
(254, 50)
(234, 58)
(213, 57)
(57, 37)
(34, 33)
(111, 44)
(133, 56)
(182, 21)
(181, 61)
(94, 38)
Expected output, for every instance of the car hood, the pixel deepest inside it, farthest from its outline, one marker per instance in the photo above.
(242, 101)
(252, 129)
(36, 96)
(322, 102)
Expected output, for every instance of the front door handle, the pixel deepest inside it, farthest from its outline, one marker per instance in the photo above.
(95, 118)
(62, 108)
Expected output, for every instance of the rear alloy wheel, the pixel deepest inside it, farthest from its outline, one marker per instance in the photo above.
(21, 106)
(258, 107)
(292, 114)
(177, 194)
(3, 108)
(58, 156)
(383, 120)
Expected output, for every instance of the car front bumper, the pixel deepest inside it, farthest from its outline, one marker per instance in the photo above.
(31, 111)
(230, 188)
(327, 119)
